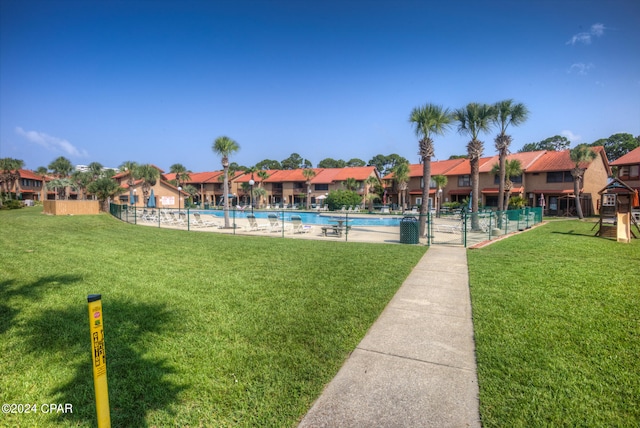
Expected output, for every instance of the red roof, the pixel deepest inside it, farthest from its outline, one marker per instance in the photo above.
(25, 173)
(526, 160)
(437, 168)
(633, 157)
(323, 175)
(560, 161)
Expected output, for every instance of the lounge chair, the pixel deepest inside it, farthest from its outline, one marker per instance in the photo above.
(167, 218)
(298, 227)
(253, 224)
(198, 220)
(274, 223)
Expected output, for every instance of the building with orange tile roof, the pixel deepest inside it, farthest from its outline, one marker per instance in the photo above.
(628, 167)
(546, 180)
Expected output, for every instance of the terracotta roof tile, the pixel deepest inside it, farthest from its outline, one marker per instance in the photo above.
(558, 161)
(437, 168)
(633, 157)
(526, 160)
(25, 173)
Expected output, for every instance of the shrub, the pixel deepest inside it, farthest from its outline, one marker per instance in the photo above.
(342, 197)
(11, 204)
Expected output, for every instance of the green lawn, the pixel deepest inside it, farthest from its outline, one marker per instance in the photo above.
(201, 329)
(557, 323)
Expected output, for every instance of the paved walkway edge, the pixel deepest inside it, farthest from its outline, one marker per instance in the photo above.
(416, 366)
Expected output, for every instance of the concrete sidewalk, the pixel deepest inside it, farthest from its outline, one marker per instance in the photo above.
(416, 366)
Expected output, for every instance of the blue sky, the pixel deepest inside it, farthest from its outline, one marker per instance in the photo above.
(158, 81)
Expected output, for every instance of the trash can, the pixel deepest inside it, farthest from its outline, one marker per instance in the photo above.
(409, 230)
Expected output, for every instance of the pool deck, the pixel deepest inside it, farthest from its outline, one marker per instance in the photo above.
(365, 234)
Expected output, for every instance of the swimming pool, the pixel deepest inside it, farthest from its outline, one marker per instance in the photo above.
(314, 218)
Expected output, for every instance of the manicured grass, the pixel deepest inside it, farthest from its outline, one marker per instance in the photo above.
(201, 329)
(557, 323)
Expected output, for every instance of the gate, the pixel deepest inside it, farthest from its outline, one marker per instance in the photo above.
(446, 228)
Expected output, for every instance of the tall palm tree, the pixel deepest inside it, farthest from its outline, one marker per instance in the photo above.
(224, 147)
(472, 120)
(95, 169)
(262, 175)
(581, 156)
(61, 168)
(42, 171)
(308, 175)
(128, 167)
(441, 182)
(428, 120)
(401, 177)
(512, 168)
(149, 175)
(181, 172)
(506, 113)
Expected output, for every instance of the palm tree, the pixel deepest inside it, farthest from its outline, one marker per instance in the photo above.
(149, 175)
(42, 171)
(428, 120)
(61, 168)
(225, 146)
(260, 193)
(128, 167)
(181, 172)
(82, 179)
(104, 188)
(351, 184)
(371, 196)
(401, 177)
(472, 120)
(262, 175)
(440, 181)
(512, 168)
(308, 175)
(61, 185)
(581, 156)
(9, 174)
(506, 113)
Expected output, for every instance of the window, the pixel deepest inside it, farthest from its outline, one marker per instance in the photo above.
(609, 200)
(464, 180)
(321, 187)
(559, 177)
(629, 172)
(515, 180)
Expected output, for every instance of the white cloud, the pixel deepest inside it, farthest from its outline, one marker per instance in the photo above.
(574, 138)
(596, 30)
(52, 143)
(580, 67)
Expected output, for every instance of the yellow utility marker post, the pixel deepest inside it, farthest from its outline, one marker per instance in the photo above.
(96, 324)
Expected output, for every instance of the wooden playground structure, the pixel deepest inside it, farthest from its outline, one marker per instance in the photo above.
(619, 211)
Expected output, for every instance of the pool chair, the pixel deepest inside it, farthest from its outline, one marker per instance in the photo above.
(274, 223)
(198, 220)
(298, 227)
(253, 224)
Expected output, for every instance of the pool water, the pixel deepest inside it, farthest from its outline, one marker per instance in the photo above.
(313, 218)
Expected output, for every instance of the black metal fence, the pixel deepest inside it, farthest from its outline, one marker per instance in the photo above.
(457, 228)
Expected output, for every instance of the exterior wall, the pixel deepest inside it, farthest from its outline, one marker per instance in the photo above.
(71, 207)
(595, 178)
(166, 196)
